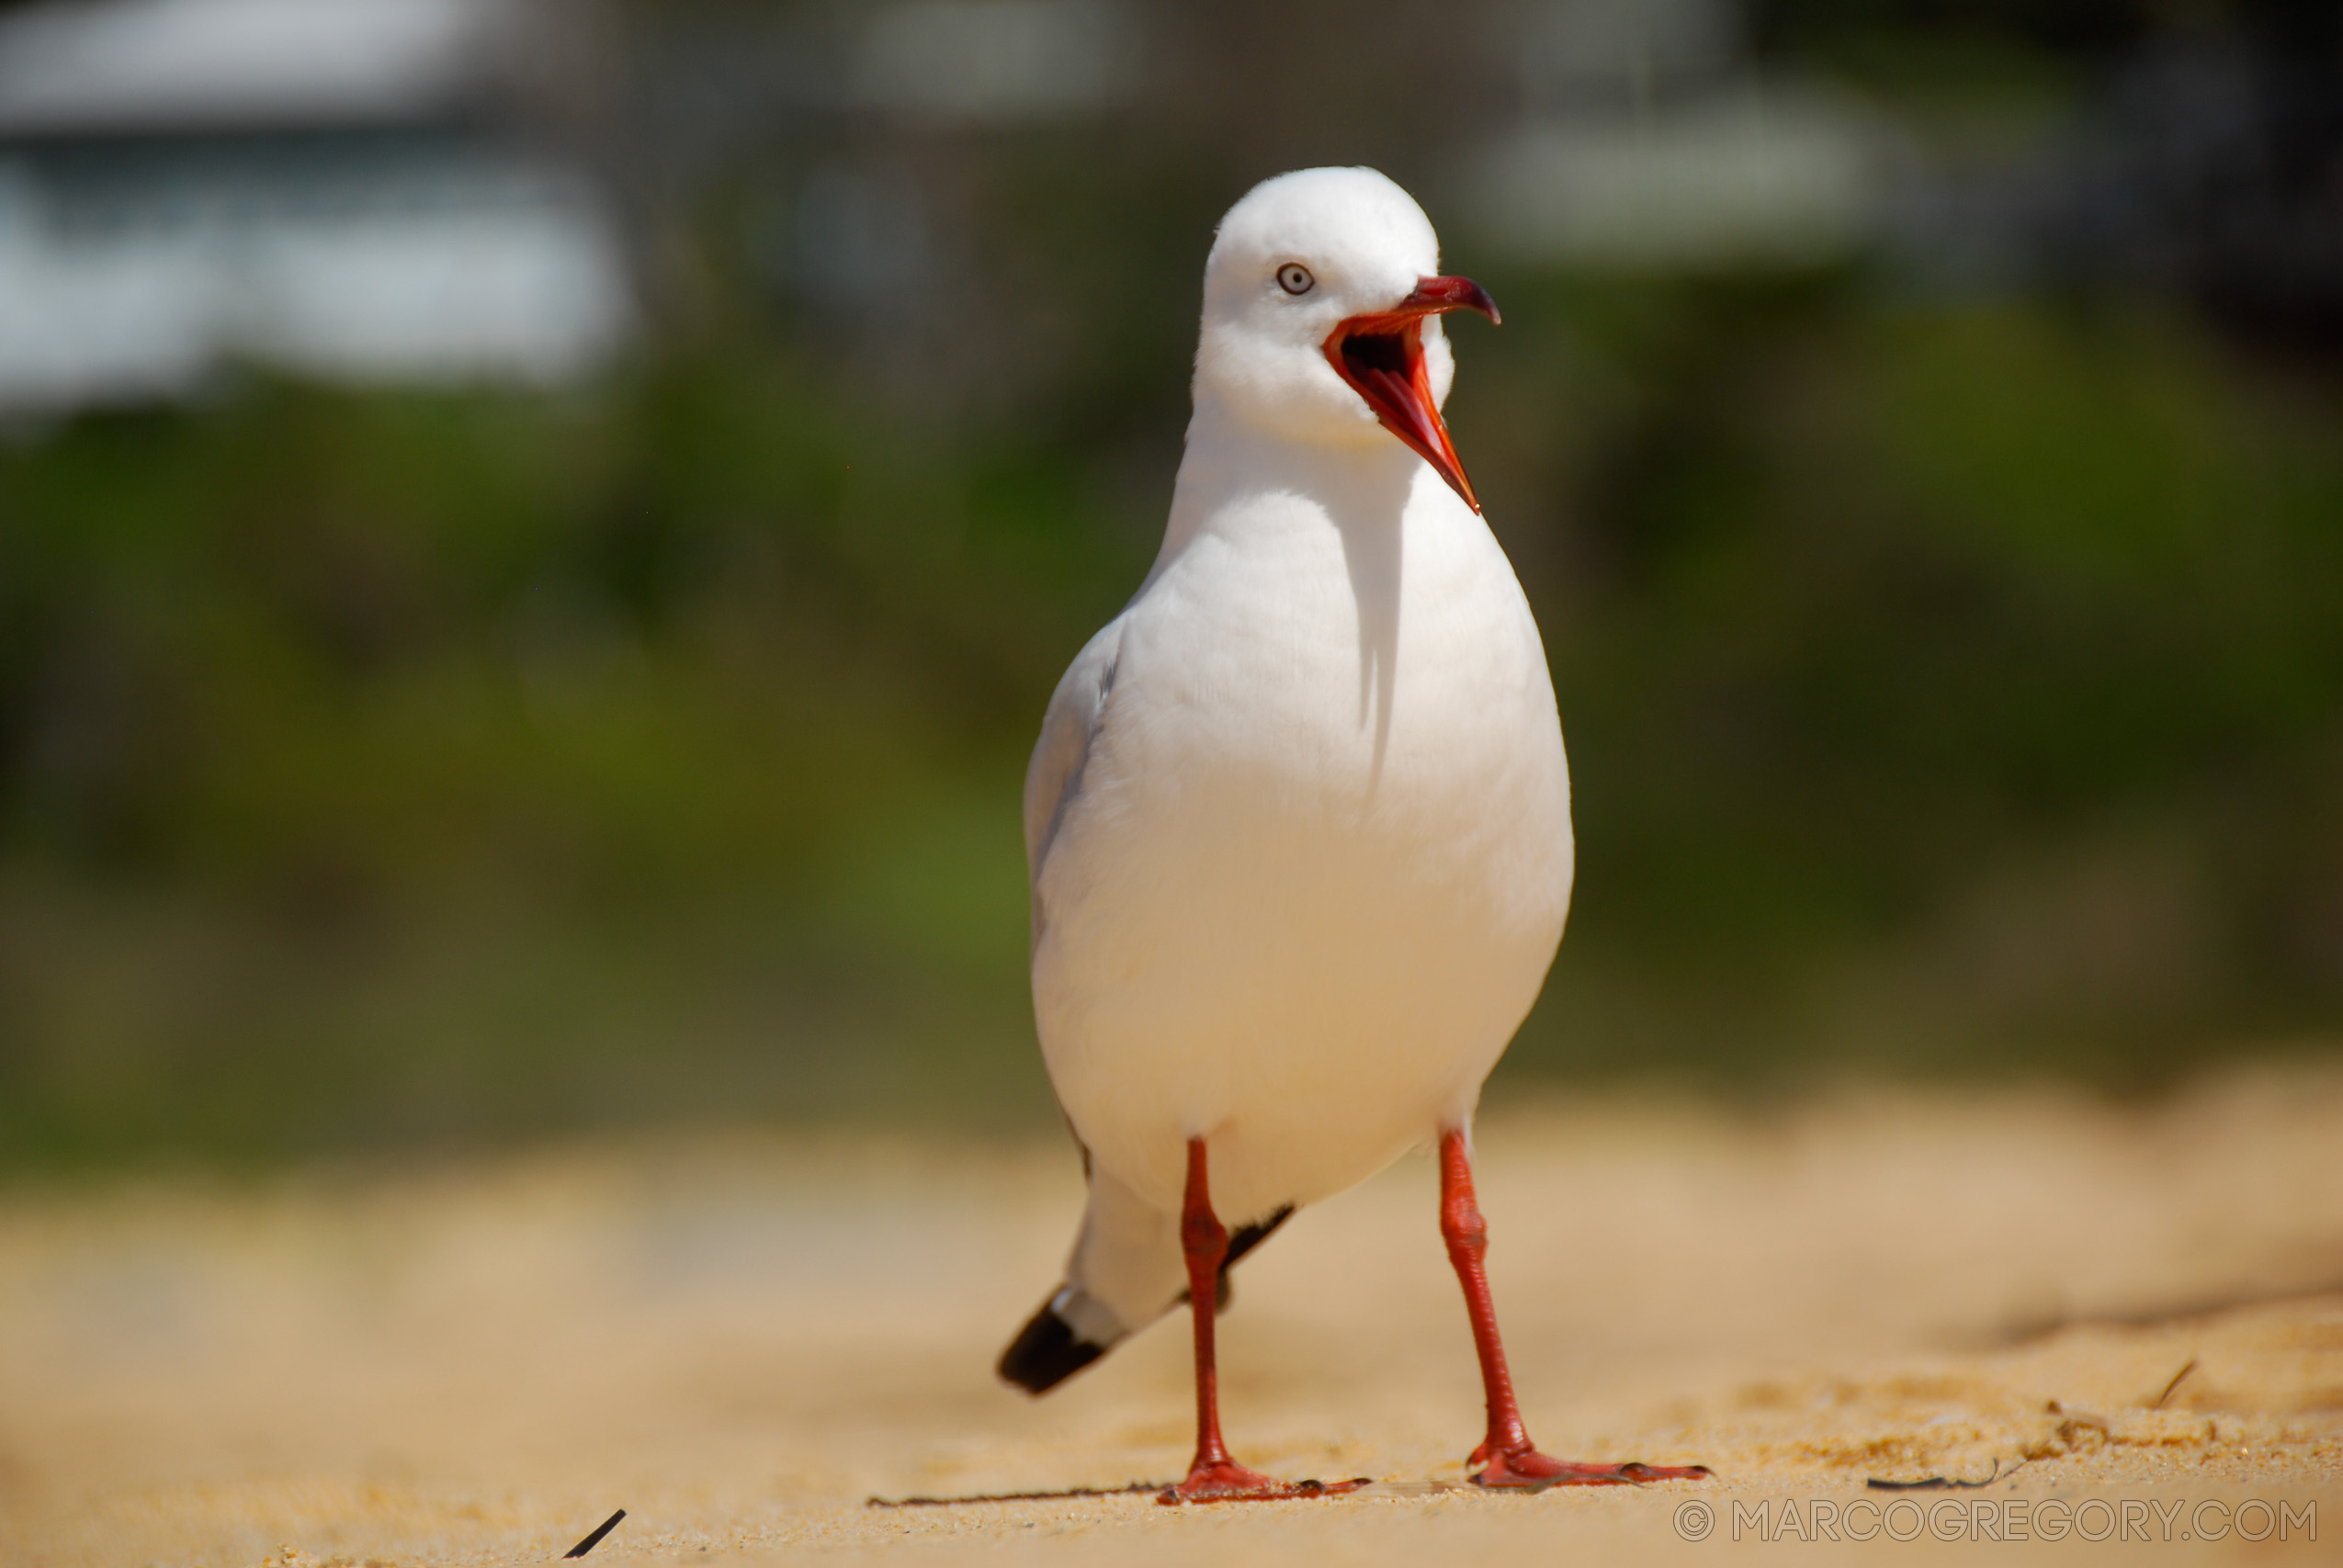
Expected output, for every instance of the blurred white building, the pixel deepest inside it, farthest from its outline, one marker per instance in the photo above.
(1653, 143)
(337, 187)
(996, 62)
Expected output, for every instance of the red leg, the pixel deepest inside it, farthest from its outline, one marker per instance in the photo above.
(1214, 1477)
(1507, 1456)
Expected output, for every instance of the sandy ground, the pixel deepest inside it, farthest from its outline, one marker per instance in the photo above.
(740, 1340)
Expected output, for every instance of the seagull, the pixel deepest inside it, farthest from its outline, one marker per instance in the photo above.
(1299, 821)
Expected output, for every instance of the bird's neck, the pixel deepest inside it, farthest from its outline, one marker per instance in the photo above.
(1228, 461)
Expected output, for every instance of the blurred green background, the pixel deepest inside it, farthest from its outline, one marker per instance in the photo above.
(1947, 618)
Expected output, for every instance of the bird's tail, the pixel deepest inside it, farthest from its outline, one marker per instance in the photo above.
(1051, 1348)
(1126, 1272)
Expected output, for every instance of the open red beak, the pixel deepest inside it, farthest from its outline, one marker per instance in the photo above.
(1382, 358)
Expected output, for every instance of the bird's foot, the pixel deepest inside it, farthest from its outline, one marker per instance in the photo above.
(1529, 1470)
(1229, 1482)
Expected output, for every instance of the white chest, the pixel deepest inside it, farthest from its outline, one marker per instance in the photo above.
(1378, 680)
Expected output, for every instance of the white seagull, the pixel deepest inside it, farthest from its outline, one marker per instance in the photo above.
(1298, 824)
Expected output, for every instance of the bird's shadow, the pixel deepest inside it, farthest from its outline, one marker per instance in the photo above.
(1374, 539)
(1063, 1494)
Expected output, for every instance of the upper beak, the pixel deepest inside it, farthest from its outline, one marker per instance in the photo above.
(1381, 356)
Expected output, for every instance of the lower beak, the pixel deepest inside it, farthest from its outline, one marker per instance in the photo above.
(1381, 356)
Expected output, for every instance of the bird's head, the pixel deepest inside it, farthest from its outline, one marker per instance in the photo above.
(1322, 300)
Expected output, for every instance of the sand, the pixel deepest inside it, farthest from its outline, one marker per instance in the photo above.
(740, 1338)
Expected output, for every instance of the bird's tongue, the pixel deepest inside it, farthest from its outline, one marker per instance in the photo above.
(1382, 358)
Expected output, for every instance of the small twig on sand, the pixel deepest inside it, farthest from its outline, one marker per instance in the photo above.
(590, 1542)
(2183, 1372)
(1942, 1483)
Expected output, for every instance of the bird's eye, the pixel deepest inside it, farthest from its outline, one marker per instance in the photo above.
(1294, 278)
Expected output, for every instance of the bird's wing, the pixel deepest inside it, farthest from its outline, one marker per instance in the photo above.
(1077, 712)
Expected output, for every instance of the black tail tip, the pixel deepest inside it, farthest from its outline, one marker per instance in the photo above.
(1045, 1352)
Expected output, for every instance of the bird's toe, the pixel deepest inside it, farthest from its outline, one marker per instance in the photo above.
(1528, 1470)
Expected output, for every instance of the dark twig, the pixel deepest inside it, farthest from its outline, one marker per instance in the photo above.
(1942, 1483)
(1012, 1496)
(590, 1542)
(2183, 1372)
